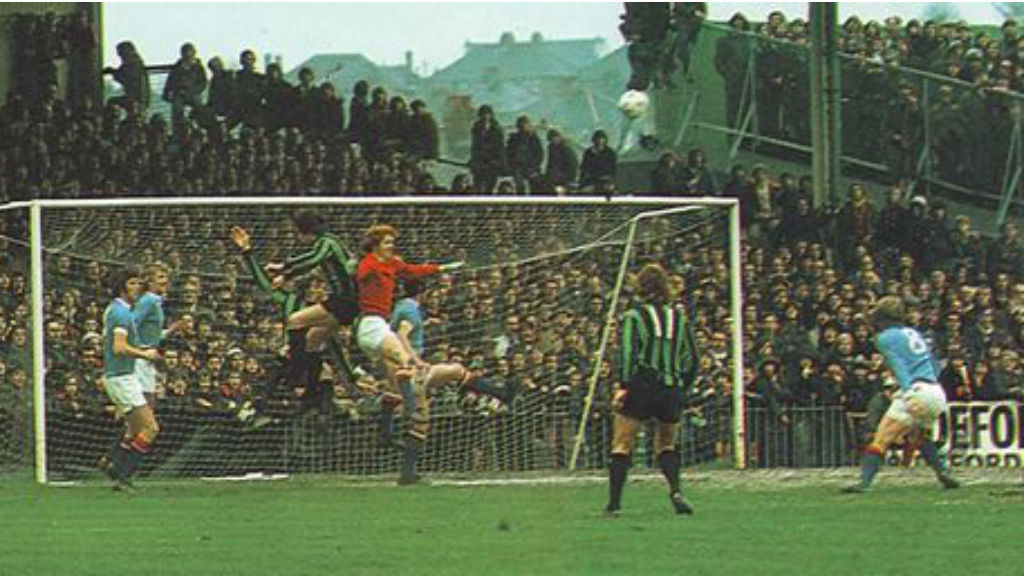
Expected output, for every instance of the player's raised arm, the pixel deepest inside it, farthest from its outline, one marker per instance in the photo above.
(243, 241)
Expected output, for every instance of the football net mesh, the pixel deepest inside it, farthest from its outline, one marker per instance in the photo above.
(528, 311)
(16, 448)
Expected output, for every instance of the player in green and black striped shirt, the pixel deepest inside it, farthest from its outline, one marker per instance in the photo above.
(341, 308)
(289, 301)
(659, 361)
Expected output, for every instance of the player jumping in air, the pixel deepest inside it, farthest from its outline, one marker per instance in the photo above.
(918, 403)
(290, 300)
(377, 274)
(121, 350)
(311, 327)
(407, 324)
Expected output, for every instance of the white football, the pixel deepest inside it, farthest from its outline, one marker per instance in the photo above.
(634, 104)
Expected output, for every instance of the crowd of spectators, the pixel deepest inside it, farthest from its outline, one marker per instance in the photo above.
(971, 98)
(246, 132)
(810, 276)
(810, 279)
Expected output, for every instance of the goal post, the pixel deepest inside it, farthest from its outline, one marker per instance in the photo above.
(735, 303)
(556, 265)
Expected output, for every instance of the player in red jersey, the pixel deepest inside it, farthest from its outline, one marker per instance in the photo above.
(376, 277)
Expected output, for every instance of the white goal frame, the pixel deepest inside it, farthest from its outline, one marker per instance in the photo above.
(659, 206)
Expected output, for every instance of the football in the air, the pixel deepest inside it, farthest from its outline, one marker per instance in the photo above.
(634, 104)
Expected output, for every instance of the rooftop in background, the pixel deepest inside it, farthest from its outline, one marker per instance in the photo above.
(344, 70)
(508, 59)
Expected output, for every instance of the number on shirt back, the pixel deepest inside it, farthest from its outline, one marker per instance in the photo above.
(915, 342)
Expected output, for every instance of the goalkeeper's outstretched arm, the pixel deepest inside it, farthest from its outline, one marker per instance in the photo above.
(244, 242)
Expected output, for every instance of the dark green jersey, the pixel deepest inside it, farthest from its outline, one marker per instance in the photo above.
(288, 302)
(337, 263)
(660, 338)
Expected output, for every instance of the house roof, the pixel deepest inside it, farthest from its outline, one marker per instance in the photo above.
(511, 60)
(344, 70)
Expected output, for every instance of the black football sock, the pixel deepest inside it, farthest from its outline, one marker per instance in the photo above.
(669, 462)
(618, 469)
(315, 390)
(930, 454)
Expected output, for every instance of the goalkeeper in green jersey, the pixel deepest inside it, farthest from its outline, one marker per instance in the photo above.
(289, 301)
(328, 254)
(659, 361)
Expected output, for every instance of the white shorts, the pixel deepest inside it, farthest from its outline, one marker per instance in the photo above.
(124, 391)
(145, 371)
(919, 406)
(372, 332)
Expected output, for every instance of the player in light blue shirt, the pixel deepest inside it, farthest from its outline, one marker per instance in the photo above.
(407, 321)
(915, 407)
(121, 351)
(149, 320)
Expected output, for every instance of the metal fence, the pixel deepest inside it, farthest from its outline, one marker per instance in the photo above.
(752, 93)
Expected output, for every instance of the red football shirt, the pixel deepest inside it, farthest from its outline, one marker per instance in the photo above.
(376, 280)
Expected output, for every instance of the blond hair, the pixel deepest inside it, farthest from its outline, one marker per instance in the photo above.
(889, 310)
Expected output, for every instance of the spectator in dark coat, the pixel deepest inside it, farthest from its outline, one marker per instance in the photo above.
(220, 98)
(282, 100)
(185, 85)
(328, 112)
(374, 148)
(398, 125)
(665, 177)
(487, 159)
(695, 175)
(250, 87)
(560, 173)
(132, 76)
(891, 224)
(525, 156)
(358, 112)
(423, 133)
(600, 163)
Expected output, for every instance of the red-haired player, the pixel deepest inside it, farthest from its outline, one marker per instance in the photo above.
(376, 277)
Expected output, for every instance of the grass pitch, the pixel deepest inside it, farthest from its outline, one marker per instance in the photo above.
(746, 523)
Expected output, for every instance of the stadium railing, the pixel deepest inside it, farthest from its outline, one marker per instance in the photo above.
(956, 137)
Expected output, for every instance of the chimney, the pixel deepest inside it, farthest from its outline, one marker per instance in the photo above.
(408, 60)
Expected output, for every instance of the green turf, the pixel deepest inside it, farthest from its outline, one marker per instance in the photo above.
(324, 526)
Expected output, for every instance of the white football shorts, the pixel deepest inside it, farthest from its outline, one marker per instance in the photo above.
(919, 406)
(125, 392)
(145, 371)
(372, 332)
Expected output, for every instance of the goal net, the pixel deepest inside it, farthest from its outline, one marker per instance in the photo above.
(529, 311)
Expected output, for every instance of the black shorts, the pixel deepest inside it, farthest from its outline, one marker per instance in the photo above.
(649, 397)
(344, 309)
